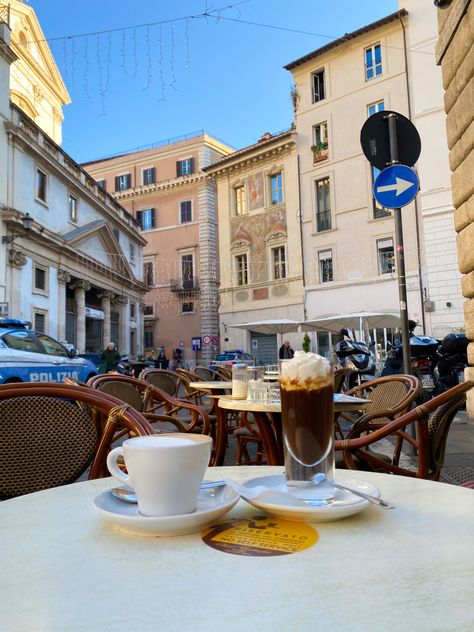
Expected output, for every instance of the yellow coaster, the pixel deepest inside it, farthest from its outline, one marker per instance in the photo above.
(260, 536)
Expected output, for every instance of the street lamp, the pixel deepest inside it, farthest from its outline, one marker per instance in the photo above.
(27, 222)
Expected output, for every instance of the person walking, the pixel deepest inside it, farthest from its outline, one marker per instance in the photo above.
(286, 352)
(110, 358)
(161, 361)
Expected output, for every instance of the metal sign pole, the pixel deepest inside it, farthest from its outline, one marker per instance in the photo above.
(400, 255)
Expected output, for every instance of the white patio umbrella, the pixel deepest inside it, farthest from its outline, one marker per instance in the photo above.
(276, 326)
(352, 320)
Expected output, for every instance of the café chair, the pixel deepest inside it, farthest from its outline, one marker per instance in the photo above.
(432, 420)
(157, 406)
(204, 373)
(52, 433)
(339, 379)
(165, 379)
(224, 373)
(390, 397)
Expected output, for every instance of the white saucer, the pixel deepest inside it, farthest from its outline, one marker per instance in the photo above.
(212, 504)
(344, 505)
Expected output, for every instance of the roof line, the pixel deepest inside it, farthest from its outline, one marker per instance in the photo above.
(347, 37)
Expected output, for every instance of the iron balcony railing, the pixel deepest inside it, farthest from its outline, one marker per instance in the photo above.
(183, 286)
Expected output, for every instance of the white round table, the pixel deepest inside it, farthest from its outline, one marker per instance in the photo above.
(410, 569)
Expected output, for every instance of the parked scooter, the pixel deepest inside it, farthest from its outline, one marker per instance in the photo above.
(452, 360)
(356, 356)
(423, 350)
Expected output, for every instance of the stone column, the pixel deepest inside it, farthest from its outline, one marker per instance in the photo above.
(107, 296)
(207, 265)
(63, 279)
(17, 260)
(123, 343)
(80, 287)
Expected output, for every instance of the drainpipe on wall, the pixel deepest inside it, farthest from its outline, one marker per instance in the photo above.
(300, 221)
(417, 224)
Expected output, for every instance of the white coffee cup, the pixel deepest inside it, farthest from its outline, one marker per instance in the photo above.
(165, 470)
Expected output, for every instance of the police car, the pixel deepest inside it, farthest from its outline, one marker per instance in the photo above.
(30, 356)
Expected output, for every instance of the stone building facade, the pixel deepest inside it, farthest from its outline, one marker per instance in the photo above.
(455, 54)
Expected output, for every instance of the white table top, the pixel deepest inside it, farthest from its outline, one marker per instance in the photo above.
(408, 569)
(342, 403)
(213, 385)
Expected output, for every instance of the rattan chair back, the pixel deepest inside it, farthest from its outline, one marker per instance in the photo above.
(204, 373)
(52, 433)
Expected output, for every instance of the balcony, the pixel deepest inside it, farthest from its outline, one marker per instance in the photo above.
(184, 286)
(320, 152)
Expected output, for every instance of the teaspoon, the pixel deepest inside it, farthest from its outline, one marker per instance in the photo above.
(128, 495)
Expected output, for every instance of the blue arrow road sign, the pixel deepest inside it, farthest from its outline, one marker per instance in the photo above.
(396, 186)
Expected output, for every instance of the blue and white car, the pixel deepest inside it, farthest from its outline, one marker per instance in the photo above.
(30, 356)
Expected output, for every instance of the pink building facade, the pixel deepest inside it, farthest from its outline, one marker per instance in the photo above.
(174, 201)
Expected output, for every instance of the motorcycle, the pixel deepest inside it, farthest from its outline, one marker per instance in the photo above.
(452, 360)
(356, 356)
(423, 351)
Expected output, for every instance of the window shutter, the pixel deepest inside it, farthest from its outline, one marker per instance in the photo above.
(192, 165)
(152, 175)
(178, 168)
(117, 183)
(140, 218)
(153, 218)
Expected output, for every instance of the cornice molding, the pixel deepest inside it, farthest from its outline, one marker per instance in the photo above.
(256, 156)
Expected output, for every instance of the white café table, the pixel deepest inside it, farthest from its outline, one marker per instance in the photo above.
(410, 569)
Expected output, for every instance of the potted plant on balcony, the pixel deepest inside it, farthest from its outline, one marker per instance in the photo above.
(320, 151)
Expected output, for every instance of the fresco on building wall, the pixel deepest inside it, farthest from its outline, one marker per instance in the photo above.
(255, 231)
(255, 186)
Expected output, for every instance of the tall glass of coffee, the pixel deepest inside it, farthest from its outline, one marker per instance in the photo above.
(306, 385)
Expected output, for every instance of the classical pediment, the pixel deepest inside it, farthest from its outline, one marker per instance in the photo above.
(29, 44)
(97, 242)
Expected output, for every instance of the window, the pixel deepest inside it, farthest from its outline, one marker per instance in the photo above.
(133, 310)
(185, 167)
(239, 200)
(323, 205)
(187, 307)
(148, 273)
(187, 270)
(40, 279)
(39, 322)
(373, 62)
(185, 211)
(379, 211)
(276, 186)
(149, 175)
(149, 310)
(149, 337)
(102, 184)
(319, 89)
(241, 267)
(72, 209)
(41, 185)
(123, 182)
(326, 274)
(116, 233)
(279, 262)
(385, 256)
(21, 341)
(146, 218)
(320, 142)
(52, 346)
(132, 253)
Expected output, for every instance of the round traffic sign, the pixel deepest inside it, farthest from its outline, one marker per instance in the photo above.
(396, 186)
(375, 142)
(206, 340)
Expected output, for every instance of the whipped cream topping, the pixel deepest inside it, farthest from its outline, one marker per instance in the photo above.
(304, 369)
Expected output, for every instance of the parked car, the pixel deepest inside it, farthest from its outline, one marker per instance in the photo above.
(31, 356)
(228, 358)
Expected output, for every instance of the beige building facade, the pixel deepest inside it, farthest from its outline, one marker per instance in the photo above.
(455, 54)
(167, 191)
(260, 262)
(348, 238)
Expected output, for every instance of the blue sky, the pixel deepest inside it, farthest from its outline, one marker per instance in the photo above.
(134, 85)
